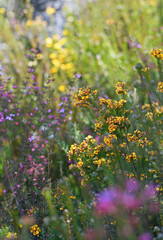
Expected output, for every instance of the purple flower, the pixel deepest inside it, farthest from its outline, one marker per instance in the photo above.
(30, 139)
(138, 45)
(145, 236)
(60, 104)
(78, 75)
(62, 110)
(130, 201)
(132, 185)
(150, 191)
(107, 202)
(9, 118)
(50, 116)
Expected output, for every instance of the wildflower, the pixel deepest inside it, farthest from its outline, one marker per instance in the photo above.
(78, 75)
(131, 156)
(121, 88)
(106, 203)
(132, 185)
(65, 32)
(145, 236)
(28, 23)
(11, 235)
(50, 10)
(54, 70)
(2, 10)
(109, 140)
(110, 21)
(157, 53)
(160, 86)
(62, 88)
(130, 201)
(49, 42)
(35, 230)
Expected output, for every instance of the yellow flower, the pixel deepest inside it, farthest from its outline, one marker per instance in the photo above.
(54, 70)
(56, 63)
(62, 41)
(11, 235)
(110, 21)
(109, 140)
(28, 23)
(121, 88)
(152, 2)
(65, 32)
(68, 66)
(35, 230)
(2, 10)
(50, 10)
(52, 55)
(39, 56)
(160, 87)
(62, 88)
(157, 53)
(57, 45)
(72, 197)
(49, 42)
(56, 37)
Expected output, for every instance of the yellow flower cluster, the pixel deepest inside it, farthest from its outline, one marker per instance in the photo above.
(160, 87)
(35, 230)
(35, 23)
(131, 156)
(157, 53)
(121, 88)
(111, 103)
(100, 161)
(109, 139)
(11, 235)
(60, 56)
(81, 99)
(139, 138)
(115, 121)
(87, 150)
(98, 126)
(118, 143)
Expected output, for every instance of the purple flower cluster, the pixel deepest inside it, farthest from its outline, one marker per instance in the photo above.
(128, 204)
(30, 117)
(132, 197)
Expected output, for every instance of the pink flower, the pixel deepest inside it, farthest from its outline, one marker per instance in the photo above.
(107, 203)
(130, 201)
